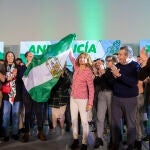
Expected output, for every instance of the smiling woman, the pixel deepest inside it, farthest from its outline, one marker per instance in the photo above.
(82, 96)
(11, 100)
(84, 59)
(10, 58)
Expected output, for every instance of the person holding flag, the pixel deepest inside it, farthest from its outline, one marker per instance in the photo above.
(40, 76)
(30, 106)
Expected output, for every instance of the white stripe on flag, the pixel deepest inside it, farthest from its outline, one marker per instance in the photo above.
(41, 74)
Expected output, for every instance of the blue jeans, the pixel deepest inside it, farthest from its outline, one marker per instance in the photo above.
(148, 112)
(45, 111)
(49, 113)
(15, 117)
(148, 115)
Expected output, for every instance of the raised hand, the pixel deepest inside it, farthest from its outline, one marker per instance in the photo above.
(143, 57)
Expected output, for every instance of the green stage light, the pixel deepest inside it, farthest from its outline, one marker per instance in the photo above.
(91, 17)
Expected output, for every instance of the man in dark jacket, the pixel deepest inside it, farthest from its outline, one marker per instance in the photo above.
(30, 106)
(124, 101)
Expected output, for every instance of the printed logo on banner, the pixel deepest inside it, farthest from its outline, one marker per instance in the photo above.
(88, 47)
(111, 46)
(96, 49)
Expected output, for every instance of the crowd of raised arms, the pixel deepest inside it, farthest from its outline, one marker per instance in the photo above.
(99, 94)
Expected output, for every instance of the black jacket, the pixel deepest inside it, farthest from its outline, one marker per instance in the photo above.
(19, 84)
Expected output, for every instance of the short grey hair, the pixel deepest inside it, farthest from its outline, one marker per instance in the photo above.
(128, 50)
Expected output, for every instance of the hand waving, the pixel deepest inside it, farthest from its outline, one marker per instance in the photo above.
(143, 57)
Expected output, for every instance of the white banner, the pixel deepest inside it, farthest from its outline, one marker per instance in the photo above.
(95, 48)
(36, 47)
(1, 50)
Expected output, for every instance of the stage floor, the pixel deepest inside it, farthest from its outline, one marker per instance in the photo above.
(55, 141)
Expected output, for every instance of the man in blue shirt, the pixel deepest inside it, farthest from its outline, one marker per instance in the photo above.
(124, 101)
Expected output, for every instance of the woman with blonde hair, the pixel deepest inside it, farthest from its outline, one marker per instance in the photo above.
(82, 95)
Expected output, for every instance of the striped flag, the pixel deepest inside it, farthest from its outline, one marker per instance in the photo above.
(44, 70)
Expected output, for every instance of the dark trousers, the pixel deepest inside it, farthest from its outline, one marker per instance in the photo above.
(68, 115)
(126, 106)
(45, 111)
(30, 107)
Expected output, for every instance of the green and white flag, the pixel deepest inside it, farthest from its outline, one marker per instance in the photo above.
(44, 70)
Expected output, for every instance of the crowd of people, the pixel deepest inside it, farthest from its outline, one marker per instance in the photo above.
(111, 93)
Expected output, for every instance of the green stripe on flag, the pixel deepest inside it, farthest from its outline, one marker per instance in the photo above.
(37, 92)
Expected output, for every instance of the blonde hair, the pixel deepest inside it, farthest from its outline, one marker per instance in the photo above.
(89, 61)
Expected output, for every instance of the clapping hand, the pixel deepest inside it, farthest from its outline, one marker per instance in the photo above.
(115, 71)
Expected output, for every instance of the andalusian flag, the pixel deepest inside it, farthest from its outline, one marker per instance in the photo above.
(44, 71)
